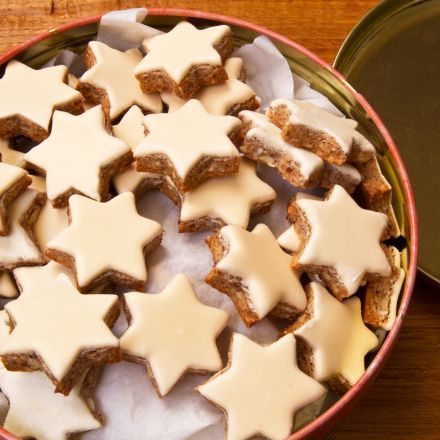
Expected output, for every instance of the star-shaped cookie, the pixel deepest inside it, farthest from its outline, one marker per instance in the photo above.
(197, 146)
(184, 59)
(252, 269)
(106, 242)
(227, 98)
(33, 281)
(61, 332)
(29, 97)
(334, 138)
(131, 130)
(30, 395)
(79, 156)
(261, 389)
(341, 242)
(19, 248)
(110, 81)
(227, 200)
(172, 333)
(13, 182)
(337, 337)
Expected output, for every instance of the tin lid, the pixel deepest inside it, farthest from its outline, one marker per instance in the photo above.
(392, 57)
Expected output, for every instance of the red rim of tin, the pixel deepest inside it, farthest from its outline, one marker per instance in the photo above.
(329, 418)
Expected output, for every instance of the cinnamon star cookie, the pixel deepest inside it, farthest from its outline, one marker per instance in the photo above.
(340, 241)
(227, 98)
(110, 81)
(261, 389)
(331, 137)
(19, 247)
(334, 339)
(189, 145)
(79, 157)
(172, 333)
(252, 269)
(62, 333)
(29, 97)
(226, 200)
(106, 242)
(30, 394)
(184, 59)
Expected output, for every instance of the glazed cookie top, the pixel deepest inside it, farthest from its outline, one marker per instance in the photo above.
(261, 389)
(113, 72)
(76, 152)
(173, 331)
(195, 134)
(180, 49)
(344, 237)
(30, 394)
(312, 116)
(106, 236)
(130, 128)
(18, 247)
(34, 94)
(263, 267)
(229, 198)
(9, 155)
(218, 99)
(59, 324)
(33, 281)
(268, 133)
(337, 335)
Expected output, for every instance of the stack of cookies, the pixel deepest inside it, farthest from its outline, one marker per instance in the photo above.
(178, 117)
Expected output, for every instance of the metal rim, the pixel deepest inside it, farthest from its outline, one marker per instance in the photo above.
(330, 417)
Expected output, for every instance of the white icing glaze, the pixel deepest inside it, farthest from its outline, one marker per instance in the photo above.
(180, 49)
(346, 237)
(132, 132)
(289, 239)
(348, 172)
(269, 134)
(78, 148)
(195, 134)
(30, 395)
(33, 281)
(263, 267)
(217, 99)
(305, 113)
(9, 155)
(113, 72)
(262, 389)
(17, 247)
(337, 335)
(34, 94)
(114, 240)
(229, 198)
(9, 175)
(174, 332)
(59, 324)
(7, 286)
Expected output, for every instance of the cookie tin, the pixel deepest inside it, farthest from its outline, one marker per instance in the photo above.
(327, 80)
(392, 57)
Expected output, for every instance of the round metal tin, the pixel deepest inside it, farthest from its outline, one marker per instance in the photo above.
(327, 80)
(392, 57)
